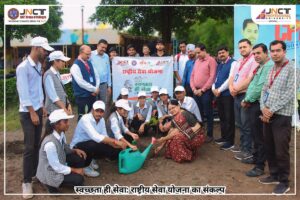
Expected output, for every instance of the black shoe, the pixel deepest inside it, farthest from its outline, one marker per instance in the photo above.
(52, 190)
(269, 180)
(281, 188)
(208, 139)
(220, 141)
(248, 160)
(227, 146)
(255, 172)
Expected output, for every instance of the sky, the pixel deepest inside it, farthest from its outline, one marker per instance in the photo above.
(72, 13)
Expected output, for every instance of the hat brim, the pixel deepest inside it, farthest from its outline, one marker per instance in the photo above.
(47, 47)
(65, 59)
(124, 94)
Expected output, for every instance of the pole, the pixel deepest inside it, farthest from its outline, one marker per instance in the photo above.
(82, 28)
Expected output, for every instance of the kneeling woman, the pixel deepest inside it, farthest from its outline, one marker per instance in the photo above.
(184, 137)
(55, 153)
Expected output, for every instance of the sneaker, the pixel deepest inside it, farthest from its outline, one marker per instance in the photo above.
(220, 141)
(242, 155)
(227, 146)
(255, 172)
(269, 180)
(208, 139)
(248, 160)
(281, 188)
(27, 190)
(90, 172)
(94, 164)
(236, 149)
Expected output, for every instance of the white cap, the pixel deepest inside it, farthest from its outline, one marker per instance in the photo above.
(179, 88)
(124, 91)
(190, 47)
(41, 42)
(123, 103)
(163, 91)
(99, 105)
(59, 114)
(154, 89)
(142, 94)
(58, 55)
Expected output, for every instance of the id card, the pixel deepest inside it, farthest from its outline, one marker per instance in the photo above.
(91, 79)
(236, 77)
(265, 97)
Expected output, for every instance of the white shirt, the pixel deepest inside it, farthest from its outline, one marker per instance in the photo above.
(225, 85)
(52, 156)
(163, 106)
(49, 86)
(88, 129)
(190, 104)
(118, 127)
(76, 73)
(180, 65)
(29, 85)
(148, 117)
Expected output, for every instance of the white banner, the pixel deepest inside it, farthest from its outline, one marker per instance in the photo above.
(66, 78)
(140, 73)
(26, 14)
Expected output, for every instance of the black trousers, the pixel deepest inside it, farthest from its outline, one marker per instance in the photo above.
(256, 126)
(32, 137)
(188, 90)
(226, 114)
(84, 104)
(277, 136)
(72, 179)
(97, 150)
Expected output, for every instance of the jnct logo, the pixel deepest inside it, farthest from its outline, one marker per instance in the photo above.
(13, 13)
(275, 13)
(33, 12)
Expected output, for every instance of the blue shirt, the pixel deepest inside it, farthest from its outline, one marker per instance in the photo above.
(29, 85)
(189, 66)
(102, 66)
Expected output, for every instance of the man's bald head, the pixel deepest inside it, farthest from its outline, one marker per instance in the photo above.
(85, 52)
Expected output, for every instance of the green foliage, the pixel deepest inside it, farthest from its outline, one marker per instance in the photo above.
(50, 29)
(212, 33)
(11, 92)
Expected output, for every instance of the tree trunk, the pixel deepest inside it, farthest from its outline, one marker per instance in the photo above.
(166, 23)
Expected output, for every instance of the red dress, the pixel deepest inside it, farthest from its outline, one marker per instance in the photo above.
(180, 148)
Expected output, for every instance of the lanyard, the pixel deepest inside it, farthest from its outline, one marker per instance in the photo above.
(257, 68)
(244, 62)
(87, 67)
(37, 71)
(276, 74)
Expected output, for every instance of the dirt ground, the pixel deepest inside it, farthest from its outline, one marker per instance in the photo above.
(212, 167)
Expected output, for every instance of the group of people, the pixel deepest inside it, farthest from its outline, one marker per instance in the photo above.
(253, 93)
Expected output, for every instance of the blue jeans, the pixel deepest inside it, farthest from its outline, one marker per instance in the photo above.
(243, 121)
(204, 103)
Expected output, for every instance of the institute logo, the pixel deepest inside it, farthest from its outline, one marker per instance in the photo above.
(13, 13)
(26, 14)
(134, 63)
(273, 14)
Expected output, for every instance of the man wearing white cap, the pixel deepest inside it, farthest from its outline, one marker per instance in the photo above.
(187, 103)
(140, 114)
(31, 97)
(162, 108)
(55, 153)
(91, 136)
(189, 66)
(116, 127)
(154, 100)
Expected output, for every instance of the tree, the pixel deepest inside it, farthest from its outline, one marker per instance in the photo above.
(50, 29)
(145, 20)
